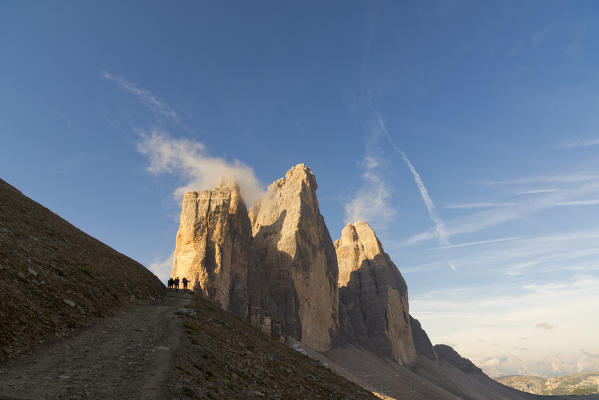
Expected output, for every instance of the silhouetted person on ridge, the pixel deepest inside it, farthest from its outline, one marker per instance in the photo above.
(170, 283)
(185, 282)
(177, 283)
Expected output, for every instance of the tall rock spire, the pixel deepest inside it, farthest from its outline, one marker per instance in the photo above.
(373, 295)
(214, 247)
(296, 251)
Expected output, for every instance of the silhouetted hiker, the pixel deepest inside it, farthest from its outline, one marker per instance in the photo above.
(185, 282)
(177, 283)
(170, 283)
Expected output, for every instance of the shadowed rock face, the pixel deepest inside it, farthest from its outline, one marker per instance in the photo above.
(373, 296)
(214, 247)
(295, 249)
(448, 354)
(422, 343)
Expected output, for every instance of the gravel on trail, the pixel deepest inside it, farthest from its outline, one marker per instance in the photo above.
(125, 356)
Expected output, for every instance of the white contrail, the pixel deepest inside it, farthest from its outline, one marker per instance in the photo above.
(468, 244)
(428, 202)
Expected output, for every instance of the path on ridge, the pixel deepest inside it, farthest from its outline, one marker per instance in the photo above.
(125, 356)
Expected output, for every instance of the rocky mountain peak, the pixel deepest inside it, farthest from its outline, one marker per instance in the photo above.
(373, 295)
(358, 242)
(277, 261)
(214, 247)
(294, 246)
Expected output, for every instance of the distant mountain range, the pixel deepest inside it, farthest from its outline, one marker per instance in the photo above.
(581, 383)
(548, 366)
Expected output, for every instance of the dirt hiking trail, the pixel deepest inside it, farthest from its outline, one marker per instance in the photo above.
(125, 356)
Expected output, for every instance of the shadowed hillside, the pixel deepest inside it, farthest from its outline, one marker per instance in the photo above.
(54, 278)
(223, 357)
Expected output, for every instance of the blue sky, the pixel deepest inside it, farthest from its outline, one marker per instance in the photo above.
(465, 132)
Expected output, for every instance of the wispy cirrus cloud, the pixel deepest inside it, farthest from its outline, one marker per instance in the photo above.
(535, 191)
(372, 202)
(519, 268)
(540, 35)
(146, 97)
(480, 242)
(579, 143)
(561, 178)
(571, 192)
(578, 203)
(484, 204)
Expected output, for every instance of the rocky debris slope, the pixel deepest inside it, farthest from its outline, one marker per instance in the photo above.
(295, 249)
(575, 384)
(449, 355)
(125, 356)
(54, 278)
(223, 357)
(373, 296)
(214, 247)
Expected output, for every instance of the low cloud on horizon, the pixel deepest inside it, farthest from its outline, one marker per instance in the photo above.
(545, 325)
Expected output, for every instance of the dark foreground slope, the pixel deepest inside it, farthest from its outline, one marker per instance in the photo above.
(223, 357)
(54, 278)
(124, 356)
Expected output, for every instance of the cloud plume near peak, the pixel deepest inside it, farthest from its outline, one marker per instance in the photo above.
(200, 171)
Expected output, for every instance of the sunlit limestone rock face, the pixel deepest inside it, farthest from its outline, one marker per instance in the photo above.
(295, 249)
(373, 296)
(214, 247)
